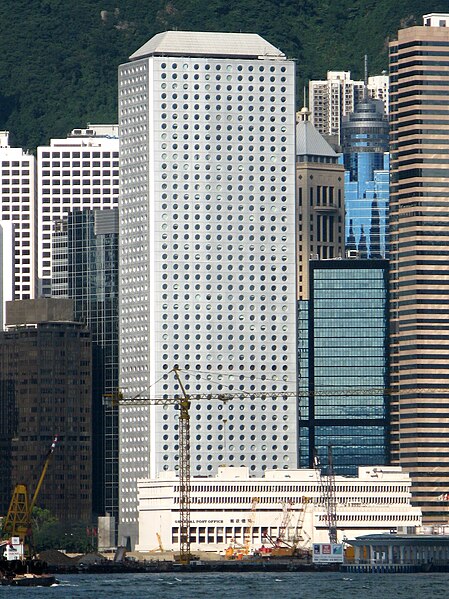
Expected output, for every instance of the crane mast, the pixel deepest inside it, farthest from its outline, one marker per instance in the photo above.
(331, 499)
(327, 484)
(299, 530)
(184, 473)
(286, 519)
(248, 534)
(184, 403)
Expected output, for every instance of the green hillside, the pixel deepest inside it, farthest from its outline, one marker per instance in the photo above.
(59, 58)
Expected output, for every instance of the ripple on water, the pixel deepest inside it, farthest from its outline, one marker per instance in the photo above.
(264, 585)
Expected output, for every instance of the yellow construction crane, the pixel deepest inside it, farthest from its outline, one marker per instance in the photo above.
(184, 403)
(184, 460)
(184, 455)
(184, 473)
(17, 522)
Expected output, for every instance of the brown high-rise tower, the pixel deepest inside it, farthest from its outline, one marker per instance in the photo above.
(45, 390)
(419, 235)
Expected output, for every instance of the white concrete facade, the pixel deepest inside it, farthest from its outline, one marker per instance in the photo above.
(76, 173)
(207, 254)
(223, 507)
(18, 207)
(7, 268)
(378, 89)
(335, 97)
(436, 19)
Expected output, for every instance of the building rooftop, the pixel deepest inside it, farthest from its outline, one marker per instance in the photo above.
(34, 311)
(386, 539)
(96, 131)
(436, 19)
(309, 142)
(366, 474)
(210, 44)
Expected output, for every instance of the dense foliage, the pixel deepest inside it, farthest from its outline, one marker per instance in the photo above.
(49, 533)
(58, 66)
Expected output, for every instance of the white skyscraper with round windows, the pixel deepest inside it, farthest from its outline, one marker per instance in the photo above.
(207, 255)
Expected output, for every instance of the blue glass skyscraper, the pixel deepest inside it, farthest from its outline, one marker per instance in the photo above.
(343, 364)
(365, 147)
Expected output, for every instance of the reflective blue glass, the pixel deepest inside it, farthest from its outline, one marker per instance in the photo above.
(366, 160)
(343, 364)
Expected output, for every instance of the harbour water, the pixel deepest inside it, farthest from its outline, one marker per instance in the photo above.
(310, 585)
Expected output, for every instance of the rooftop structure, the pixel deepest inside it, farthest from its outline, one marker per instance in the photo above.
(309, 142)
(208, 45)
(436, 19)
(338, 95)
(29, 312)
(365, 153)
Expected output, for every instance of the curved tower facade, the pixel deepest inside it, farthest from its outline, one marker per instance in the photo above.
(365, 140)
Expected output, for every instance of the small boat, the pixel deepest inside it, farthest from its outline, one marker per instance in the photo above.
(29, 580)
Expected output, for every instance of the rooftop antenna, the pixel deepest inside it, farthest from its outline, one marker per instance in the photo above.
(304, 114)
(365, 87)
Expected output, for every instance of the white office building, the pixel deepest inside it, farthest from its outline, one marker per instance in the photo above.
(233, 509)
(335, 97)
(207, 255)
(18, 207)
(76, 173)
(7, 268)
(378, 89)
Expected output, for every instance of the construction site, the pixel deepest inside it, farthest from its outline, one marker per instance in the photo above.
(287, 513)
(281, 514)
